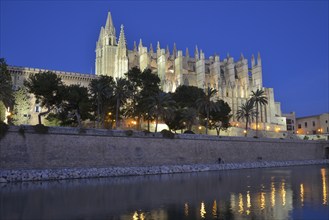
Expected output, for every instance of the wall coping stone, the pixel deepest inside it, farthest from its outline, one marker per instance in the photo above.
(142, 134)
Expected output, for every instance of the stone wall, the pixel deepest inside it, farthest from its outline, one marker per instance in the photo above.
(74, 148)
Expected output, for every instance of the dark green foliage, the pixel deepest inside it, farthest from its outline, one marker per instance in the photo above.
(167, 134)
(129, 133)
(189, 117)
(306, 138)
(220, 119)
(188, 132)
(6, 92)
(206, 105)
(175, 120)
(161, 106)
(258, 99)
(146, 132)
(102, 97)
(40, 129)
(142, 85)
(186, 96)
(82, 131)
(3, 129)
(247, 112)
(22, 106)
(121, 93)
(48, 90)
(2, 111)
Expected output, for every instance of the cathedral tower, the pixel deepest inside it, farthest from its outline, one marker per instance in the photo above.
(106, 48)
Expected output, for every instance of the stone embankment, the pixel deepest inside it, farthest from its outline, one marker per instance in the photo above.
(66, 153)
(78, 173)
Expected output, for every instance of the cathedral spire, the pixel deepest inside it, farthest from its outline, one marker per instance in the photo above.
(174, 51)
(109, 31)
(252, 60)
(151, 48)
(109, 27)
(196, 53)
(187, 54)
(140, 43)
(122, 38)
(158, 49)
(259, 60)
(241, 56)
(167, 51)
(135, 47)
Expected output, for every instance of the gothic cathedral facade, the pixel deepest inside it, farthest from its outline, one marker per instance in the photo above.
(234, 80)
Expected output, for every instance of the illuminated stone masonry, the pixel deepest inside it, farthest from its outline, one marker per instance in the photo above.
(19, 74)
(234, 81)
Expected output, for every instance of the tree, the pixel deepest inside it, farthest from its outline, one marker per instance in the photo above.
(186, 96)
(6, 92)
(101, 90)
(247, 112)
(76, 103)
(189, 117)
(121, 94)
(150, 87)
(21, 110)
(259, 99)
(220, 120)
(47, 88)
(161, 106)
(205, 104)
(175, 120)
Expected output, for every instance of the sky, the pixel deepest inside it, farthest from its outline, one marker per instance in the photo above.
(291, 36)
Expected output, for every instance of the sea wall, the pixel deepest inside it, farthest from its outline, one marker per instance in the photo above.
(96, 148)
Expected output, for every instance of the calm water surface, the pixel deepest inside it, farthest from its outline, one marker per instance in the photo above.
(272, 193)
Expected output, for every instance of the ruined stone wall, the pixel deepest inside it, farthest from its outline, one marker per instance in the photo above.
(71, 148)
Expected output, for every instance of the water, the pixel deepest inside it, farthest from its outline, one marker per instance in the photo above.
(272, 193)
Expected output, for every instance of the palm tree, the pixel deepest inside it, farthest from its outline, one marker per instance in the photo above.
(259, 99)
(205, 104)
(161, 105)
(121, 93)
(101, 90)
(189, 117)
(247, 112)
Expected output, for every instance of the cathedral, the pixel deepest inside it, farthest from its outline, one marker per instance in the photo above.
(234, 80)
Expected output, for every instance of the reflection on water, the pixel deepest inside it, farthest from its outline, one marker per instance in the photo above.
(324, 186)
(276, 193)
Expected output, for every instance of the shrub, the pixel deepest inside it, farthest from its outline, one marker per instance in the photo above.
(129, 133)
(82, 131)
(255, 137)
(3, 129)
(167, 134)
(188, 132)
(40, 129)
(146, 132)
(21, 131)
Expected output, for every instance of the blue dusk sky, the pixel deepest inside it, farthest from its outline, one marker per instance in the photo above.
(292, 37)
